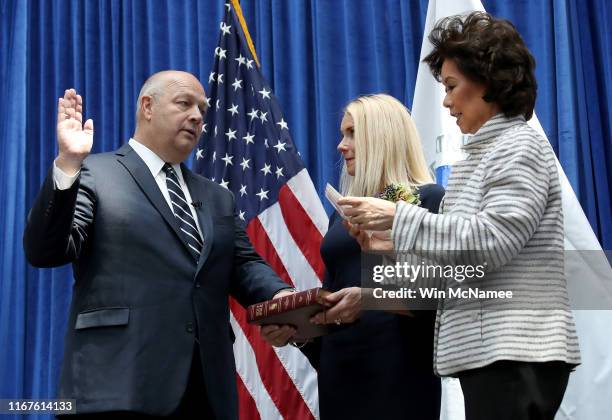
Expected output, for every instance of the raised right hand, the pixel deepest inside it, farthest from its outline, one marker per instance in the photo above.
(74, 139)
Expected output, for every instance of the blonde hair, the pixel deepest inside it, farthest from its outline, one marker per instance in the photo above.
(387, 147)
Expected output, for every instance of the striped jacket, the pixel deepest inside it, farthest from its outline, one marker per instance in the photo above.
(502, 207)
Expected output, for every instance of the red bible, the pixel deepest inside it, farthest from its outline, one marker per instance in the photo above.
(295, 310)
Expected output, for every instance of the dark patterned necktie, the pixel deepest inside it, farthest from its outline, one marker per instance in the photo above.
(182, 212)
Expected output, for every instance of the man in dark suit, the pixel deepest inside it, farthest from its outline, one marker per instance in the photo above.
(156, 251)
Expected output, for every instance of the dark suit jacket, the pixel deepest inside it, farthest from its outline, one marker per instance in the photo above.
(138, 294)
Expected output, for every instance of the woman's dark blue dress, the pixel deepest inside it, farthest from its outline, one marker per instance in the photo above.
(380, 367)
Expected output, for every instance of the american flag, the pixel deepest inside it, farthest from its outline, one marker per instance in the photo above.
(246, 147)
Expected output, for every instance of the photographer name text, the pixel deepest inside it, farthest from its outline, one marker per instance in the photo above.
(434, 293)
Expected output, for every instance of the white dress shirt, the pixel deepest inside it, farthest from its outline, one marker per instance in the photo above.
(155, 164)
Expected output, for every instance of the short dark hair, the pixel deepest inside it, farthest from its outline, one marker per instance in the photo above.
(490, 51)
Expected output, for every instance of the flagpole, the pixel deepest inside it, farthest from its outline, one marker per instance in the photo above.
(247, 35)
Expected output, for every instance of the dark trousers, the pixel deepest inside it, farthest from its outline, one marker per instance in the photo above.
(509, 390)
(194, 403)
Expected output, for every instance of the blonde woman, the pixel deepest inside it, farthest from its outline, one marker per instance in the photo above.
(379, 366)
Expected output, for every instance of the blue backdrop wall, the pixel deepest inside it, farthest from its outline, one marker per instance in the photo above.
(317, 55)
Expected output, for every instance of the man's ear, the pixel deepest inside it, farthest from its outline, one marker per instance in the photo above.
(146, 105)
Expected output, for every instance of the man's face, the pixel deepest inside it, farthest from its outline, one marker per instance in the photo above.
(177, 116)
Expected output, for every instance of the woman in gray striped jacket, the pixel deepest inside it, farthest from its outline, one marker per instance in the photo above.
(502, 210)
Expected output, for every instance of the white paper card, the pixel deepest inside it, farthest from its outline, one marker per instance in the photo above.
(333, 196)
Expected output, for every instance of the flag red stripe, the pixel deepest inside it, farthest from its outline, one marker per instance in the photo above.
(273, 375)
(246, 404)
(302, 229)
(275, 378)
(262, 244)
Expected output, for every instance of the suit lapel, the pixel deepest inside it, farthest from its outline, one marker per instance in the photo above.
(198, 189)
(142, 175)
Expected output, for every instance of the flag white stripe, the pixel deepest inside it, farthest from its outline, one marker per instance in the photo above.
(303, 375)
(246, 367)
(303, 189)
(296, 264)
(303, 276)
